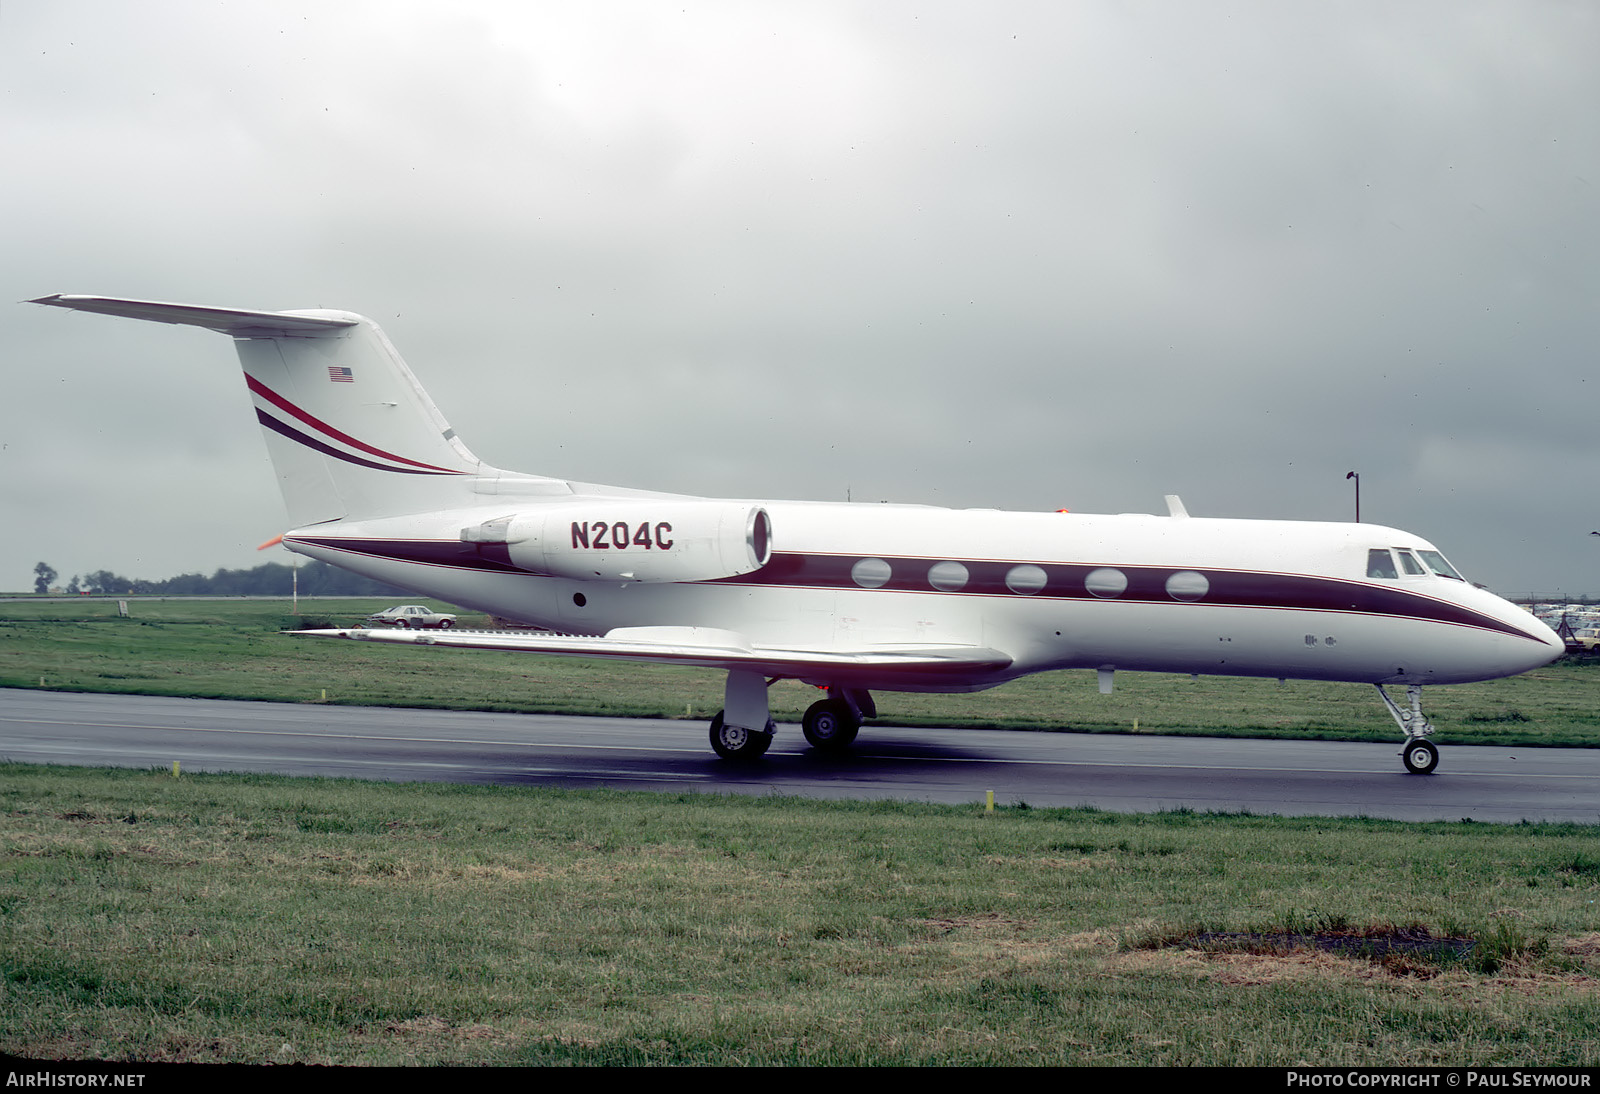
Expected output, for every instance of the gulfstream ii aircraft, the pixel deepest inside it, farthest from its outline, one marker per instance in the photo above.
(852, 598)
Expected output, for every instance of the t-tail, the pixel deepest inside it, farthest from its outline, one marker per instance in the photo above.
(351, 432)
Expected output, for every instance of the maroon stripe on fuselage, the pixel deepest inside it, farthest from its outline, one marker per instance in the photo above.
(450, 553)
(1146, 585)
(1064, 581)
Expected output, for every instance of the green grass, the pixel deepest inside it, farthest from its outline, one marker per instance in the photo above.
(256, 919)
(234, 649)
(222, 918)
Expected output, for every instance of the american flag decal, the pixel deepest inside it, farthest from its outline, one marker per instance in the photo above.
(341, 375)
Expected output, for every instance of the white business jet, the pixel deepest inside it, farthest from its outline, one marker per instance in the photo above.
(851, 598)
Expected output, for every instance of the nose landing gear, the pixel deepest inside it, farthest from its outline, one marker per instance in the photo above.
(1420, 754)
(1421, 757)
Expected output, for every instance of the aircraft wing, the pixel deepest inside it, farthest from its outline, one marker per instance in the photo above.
(706, 647)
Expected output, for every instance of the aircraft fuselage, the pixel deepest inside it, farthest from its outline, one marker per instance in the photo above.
(1052, 590)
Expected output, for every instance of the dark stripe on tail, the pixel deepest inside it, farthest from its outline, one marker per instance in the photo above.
(286, 430)
(316, 423)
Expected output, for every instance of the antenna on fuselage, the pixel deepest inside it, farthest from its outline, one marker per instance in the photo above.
(1175, 506)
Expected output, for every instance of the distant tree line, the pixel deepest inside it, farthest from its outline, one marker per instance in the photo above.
(268, 579)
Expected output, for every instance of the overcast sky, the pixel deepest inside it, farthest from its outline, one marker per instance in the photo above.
(1032, 256)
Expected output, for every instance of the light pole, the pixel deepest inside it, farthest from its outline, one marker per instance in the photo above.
(1357, 476)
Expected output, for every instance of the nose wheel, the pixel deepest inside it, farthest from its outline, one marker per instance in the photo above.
(1419, 754)
(1421, 757)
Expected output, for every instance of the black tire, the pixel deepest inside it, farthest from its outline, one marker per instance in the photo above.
(735, 743)
(1421, 757)
(830, 725)
(405, 624)
(446, 624)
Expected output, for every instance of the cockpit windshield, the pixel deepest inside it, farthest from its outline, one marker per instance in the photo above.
(1381, 563)
(1438, 565)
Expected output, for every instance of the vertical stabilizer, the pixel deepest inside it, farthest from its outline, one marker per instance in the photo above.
(350, 431)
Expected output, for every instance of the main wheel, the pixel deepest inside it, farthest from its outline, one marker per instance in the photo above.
(738, 743)
(1421, 757)
(830, 725)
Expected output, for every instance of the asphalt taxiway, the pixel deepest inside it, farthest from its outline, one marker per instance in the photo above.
(1120, 773)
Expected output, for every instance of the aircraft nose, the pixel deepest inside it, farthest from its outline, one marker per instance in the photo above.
(1546, 645)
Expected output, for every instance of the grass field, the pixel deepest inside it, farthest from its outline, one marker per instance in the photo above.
(235, 649)
(260, 919)
(263, 919)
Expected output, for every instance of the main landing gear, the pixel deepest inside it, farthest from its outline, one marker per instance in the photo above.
(742, 729)
(1421, 756)
(733, 742)
(830, 725)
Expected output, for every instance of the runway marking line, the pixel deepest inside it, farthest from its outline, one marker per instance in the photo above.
(696, 751)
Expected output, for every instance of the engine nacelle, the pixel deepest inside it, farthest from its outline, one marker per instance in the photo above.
(635, 539)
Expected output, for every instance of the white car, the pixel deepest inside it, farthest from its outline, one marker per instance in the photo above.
(412, 615)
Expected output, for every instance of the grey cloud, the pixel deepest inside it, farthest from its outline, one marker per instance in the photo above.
(1023, 255)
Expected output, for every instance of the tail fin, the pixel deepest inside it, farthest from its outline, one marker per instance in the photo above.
(350, 431)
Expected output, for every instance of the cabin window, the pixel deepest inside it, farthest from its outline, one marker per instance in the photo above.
(1438, 565)
(947, 576)
(1025, 580)
(1381, 564)
(1106, 582)
(1409, 563)
(871, 573)
(1187, 585)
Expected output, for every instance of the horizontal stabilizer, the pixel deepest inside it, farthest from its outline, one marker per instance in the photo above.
(707, 648)
(232, 321)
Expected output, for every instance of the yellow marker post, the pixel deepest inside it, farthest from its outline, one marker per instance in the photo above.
(174, 769)
(324, 695)
(988, 801)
